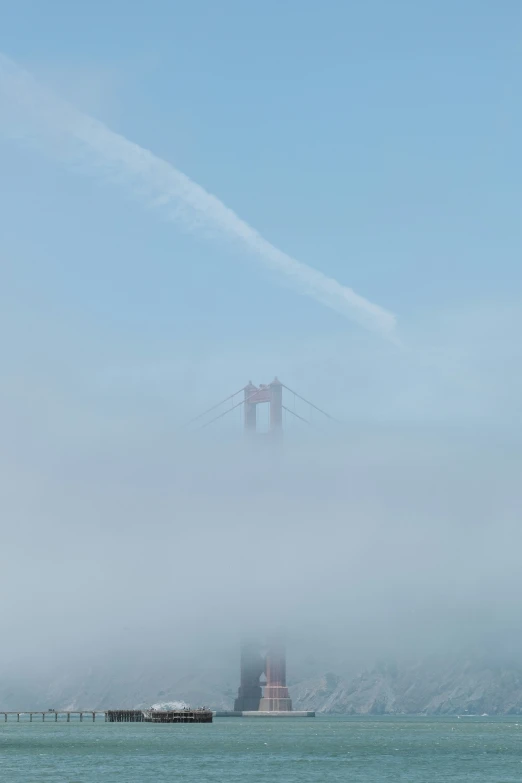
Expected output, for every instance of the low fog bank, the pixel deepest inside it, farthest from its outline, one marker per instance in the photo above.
(372, 543)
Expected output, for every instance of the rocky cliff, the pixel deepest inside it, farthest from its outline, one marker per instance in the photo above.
(426, 687)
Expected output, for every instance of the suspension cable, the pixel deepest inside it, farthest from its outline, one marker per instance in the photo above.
(310, 403)
(297, 415)
(228, 410)
(213, 408)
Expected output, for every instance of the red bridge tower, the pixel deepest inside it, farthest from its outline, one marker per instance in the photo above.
(255, 395)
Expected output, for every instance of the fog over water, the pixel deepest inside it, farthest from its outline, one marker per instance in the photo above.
(132, 537)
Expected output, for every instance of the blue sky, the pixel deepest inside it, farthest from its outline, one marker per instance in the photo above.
(377, 142)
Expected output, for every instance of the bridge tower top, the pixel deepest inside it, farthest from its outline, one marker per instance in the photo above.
(252, 396)
(271, 394)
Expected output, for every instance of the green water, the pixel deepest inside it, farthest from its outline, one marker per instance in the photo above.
(420, 750)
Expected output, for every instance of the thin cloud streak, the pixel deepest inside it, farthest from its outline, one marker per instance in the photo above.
(31, 113)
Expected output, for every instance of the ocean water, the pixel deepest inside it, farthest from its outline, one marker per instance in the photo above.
(417, 750)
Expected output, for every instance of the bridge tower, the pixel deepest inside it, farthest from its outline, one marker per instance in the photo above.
(276, 697)
(252, 666)
(256, 660)
(272, 394)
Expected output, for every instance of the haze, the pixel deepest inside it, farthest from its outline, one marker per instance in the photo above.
(381, 149)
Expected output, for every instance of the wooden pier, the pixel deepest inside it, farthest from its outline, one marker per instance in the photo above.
(55, 715)
(179, 716)
(159, 716)
(111, 716)
(125, 716)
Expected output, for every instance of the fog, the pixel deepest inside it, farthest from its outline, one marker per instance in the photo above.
(136, 541)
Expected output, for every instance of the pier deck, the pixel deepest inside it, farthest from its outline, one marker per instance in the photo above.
(54, 715)
(110, 716)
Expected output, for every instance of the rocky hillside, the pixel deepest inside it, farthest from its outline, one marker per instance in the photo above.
(427, 687)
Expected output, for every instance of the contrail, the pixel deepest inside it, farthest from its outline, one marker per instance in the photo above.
(31, 113)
